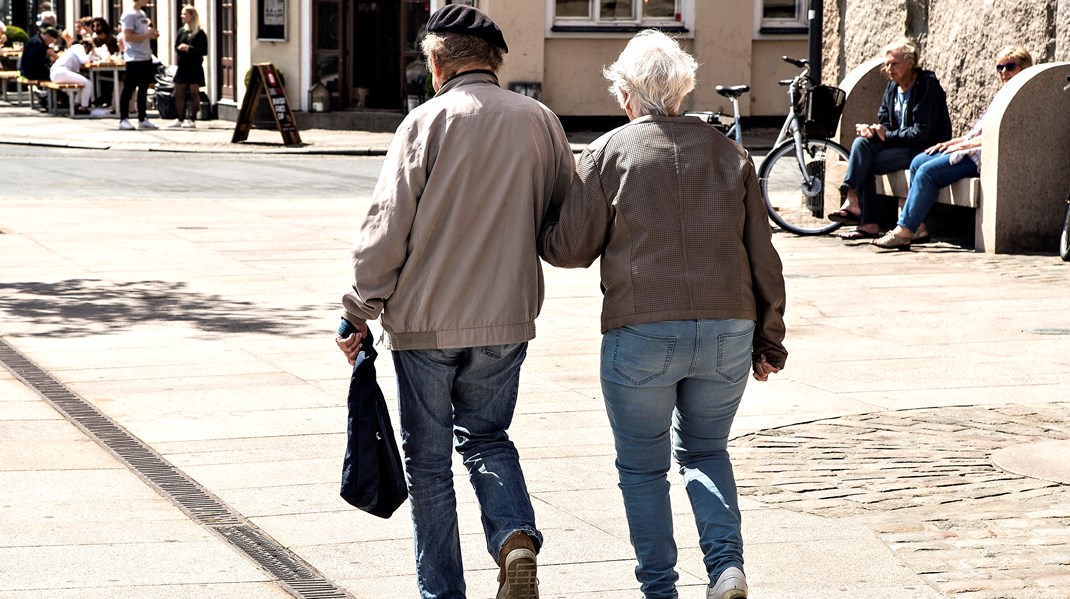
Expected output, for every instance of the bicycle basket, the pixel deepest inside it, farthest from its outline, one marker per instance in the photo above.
(821, 110)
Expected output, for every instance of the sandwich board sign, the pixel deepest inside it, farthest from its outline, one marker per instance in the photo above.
(265, 85)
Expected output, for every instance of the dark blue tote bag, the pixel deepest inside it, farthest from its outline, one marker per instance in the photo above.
(372, 476)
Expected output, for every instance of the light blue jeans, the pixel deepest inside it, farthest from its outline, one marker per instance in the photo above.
(462, 399)
(671, 390)
(928, 174)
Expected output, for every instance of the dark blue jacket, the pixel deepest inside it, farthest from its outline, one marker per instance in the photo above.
(34, 63)
(927, 120)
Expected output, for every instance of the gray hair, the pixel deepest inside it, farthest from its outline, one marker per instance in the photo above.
(454, 52)
(655, 73)
(907, 48)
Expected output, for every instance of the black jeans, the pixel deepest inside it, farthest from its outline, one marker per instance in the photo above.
(139, 75)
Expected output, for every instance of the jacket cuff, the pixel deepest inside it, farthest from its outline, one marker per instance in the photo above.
(346, 328)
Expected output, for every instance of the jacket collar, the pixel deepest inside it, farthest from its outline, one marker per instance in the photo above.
(468, 78)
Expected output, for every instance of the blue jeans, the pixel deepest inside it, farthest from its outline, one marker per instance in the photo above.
(869, 158)
(464, 399)
(671, 390)
(927, 175)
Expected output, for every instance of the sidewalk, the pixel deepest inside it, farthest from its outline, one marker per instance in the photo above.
(915, 446)
(22, 126)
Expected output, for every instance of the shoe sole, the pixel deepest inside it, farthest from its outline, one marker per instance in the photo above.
(521, 580)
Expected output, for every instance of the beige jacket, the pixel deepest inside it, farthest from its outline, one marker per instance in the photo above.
(447, 253)
(674, 210)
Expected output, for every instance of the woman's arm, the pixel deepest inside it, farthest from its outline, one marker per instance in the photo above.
(575, 232)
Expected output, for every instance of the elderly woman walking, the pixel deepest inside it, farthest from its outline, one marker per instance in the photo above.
(912, 116)
(694, 299)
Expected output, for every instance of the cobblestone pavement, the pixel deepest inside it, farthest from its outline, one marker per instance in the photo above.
(924, 480)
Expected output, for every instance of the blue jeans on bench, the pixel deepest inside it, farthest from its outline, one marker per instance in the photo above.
(869, 158)
(929, 174)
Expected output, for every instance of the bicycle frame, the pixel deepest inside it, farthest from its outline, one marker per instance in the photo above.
(793, 131)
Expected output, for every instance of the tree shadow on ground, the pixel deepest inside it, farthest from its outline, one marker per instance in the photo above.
(91, 306)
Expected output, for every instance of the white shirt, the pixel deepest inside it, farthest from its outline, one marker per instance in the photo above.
(72, 59)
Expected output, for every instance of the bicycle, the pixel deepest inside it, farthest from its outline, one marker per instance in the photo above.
(792, 176)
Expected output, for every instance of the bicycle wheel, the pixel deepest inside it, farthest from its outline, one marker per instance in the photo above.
(1064, 237)
(793, 205)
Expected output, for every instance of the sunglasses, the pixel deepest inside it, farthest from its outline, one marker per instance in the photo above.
(1010, 66)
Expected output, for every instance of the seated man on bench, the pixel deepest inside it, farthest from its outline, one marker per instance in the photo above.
(37, 55)
(946, 162)
(912, 116)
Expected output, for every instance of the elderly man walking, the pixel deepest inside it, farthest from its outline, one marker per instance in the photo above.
(447, 257)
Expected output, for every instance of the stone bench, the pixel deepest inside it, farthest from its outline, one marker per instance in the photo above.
(1025, 174)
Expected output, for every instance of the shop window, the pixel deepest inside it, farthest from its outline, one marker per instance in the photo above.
(783, 16)
(619, 15)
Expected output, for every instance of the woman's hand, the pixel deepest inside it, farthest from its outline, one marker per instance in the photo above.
(183, 47)
(762, 369)
(350, 346)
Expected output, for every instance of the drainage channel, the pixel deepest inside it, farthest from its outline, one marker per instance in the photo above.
(289, 571)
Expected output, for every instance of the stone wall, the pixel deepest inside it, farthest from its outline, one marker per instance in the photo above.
(959, 40)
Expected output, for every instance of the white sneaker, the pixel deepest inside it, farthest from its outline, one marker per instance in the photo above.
(189, 124)
(146, 124)
(175, 124)
(732, 584)
(124, 125)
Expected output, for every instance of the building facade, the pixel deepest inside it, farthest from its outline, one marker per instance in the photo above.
(354, 57)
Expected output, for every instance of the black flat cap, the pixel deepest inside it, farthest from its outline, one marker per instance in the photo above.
(465, 20)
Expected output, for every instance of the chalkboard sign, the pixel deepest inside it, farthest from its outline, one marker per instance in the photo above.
(264, 85)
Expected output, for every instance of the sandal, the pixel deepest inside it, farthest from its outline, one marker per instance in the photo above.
(856, 234)
(891, 241)
(844, 217)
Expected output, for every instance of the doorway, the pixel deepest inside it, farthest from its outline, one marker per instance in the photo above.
(366, 53)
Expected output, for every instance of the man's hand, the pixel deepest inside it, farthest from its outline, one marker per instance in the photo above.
(350, 346)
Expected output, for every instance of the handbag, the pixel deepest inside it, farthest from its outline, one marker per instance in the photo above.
(372, 476)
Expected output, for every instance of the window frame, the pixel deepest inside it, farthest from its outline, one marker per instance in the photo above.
(595, 25)
(800, 25)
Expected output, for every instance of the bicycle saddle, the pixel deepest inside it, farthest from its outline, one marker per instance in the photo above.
(732, 92)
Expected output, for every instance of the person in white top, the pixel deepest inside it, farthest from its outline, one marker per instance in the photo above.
(66, 70)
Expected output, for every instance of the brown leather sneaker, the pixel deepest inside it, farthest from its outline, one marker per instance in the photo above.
(517, 580)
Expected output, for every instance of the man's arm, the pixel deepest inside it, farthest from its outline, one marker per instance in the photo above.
(381, 248)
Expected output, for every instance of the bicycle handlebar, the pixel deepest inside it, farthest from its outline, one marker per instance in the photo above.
(799, 62)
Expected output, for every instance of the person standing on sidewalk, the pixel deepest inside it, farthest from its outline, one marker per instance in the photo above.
(192, 46)
(447, 258)
(693, 300)
(140, 70)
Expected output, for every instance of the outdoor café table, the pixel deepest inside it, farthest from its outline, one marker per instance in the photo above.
(9, 56)
(107, 69)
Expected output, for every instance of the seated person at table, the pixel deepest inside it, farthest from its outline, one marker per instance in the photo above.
(946, 162)
(103, 37)
(66, 70)
(37, 56)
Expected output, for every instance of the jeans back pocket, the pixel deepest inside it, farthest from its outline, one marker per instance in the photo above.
(633, 358)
